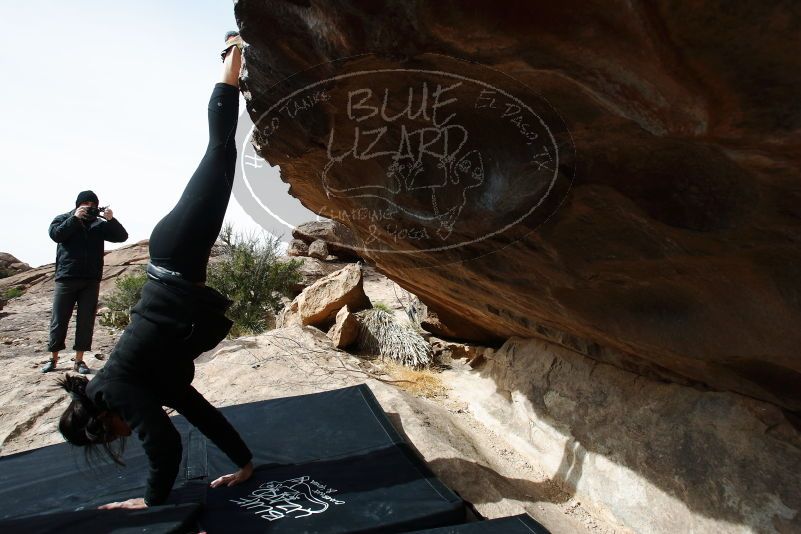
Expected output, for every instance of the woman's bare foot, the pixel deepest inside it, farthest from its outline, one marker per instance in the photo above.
(232, 64)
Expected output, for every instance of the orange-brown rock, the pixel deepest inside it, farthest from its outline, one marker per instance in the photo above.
(670, 243)
(345, 329)
(319, 303)
(310, 270)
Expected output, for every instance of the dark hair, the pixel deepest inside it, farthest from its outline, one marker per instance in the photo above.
(81, 423)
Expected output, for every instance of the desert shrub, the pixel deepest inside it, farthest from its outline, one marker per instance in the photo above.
(12, 293)
(382, 306)
(126, 293)
(250, 274)
(4, 273)
(380, 333)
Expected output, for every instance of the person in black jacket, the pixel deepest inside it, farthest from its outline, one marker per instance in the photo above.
(79, 268)
(176, 319)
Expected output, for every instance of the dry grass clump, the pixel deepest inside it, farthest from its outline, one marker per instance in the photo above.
(423, 383)
(380, 333)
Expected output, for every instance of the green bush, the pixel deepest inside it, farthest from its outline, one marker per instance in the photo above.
(383, 307)
(125, 295)
(4, 272)
(249, 273)
(12, 293)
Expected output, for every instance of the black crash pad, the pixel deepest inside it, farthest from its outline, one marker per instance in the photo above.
(329, 462)
(326, 462)
(156, 520)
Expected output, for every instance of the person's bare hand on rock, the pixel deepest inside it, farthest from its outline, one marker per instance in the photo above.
(130, 504)
(234, 478)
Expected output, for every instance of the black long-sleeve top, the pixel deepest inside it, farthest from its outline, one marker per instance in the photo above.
(152, 366)
(79, 253)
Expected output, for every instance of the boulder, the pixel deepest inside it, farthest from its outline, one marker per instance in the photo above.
(310, 270)
(452, 349)
(442, 350)
(345, 329)
(340, 240)
(432, 323)
(318, 304)
(288, 316)
(445, 350)
(123, 261)
(38, 277)
(119, 262)
(656, 457)
(297, 248)
(318, 249)
(9, 265)
(627, 182)
(134, 254)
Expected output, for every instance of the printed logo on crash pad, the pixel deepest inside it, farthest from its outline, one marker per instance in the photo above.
(293, 498)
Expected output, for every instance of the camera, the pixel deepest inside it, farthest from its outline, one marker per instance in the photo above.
(92, 211)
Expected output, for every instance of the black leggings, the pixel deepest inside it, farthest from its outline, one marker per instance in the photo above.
(182, 240)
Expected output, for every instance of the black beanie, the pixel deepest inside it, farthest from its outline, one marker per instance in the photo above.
(86, 196)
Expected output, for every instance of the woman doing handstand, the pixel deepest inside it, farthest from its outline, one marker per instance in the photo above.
(177, 318)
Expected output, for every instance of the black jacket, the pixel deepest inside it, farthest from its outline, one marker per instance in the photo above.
(152, 366)
(80, 245)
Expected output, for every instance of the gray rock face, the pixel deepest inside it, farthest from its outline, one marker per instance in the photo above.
(338, 238)
(656, 457)
(318, 249)
(119, 262)
(669, 243)
(311, 270)
(9, 265)
(297, 248)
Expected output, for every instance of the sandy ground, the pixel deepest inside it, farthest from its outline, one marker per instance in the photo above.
(471, 459)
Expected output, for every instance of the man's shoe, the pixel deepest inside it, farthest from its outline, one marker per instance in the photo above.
(51, 366)
(81, 367)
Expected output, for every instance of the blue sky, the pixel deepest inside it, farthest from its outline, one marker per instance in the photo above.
(108, 96)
